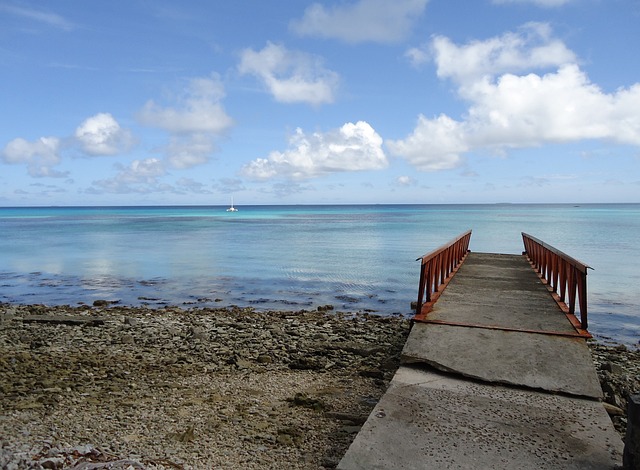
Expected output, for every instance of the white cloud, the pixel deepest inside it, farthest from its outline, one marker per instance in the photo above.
(381, 21)
(541, 3)
(141, 176)
(532, 47)
(142, 171)
(558, 107)
(51, 19)
(405, 181)
(290, 76)
(40, 156)
(230, 185)
(511, 111)
(186, 152)
(418, 55)
(102, 135)
(189, 185)
(198, 110)
(353, 147)
(193, 124)
(435, 144)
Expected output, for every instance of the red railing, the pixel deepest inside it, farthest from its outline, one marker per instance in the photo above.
(437, 268)
(563, 275)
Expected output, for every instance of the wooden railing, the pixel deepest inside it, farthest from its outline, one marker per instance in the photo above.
(437, 268)
(564, 276)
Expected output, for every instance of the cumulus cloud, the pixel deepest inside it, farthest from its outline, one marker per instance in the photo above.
(510, 110)
(405, 181)
(141, 176)
(194, 123)
(435, 144)
(198, 110)
(532, 47)
(102, 135)
(379, 21)
(189, 185)
(39, 156)
(189, 151)
(353, 147)
(290, 76)
(230, 185)
(418, 55)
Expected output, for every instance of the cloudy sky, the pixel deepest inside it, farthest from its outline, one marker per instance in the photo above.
(299, 102)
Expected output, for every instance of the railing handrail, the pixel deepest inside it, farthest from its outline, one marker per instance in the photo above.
(575, 262)
(565, 276)
(438, 266)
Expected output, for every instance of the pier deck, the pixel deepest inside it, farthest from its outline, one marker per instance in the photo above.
(496, 377)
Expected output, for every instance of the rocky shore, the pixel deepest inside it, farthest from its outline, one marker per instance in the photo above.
(114, 387)
(93, 387)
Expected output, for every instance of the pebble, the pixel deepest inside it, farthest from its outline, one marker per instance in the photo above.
(188, 388)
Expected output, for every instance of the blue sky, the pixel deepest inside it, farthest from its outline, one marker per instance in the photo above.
(301, 102)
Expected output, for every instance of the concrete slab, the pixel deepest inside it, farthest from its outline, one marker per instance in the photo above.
(503, 290)
(495, 290)
(428, 420)
(551, 363)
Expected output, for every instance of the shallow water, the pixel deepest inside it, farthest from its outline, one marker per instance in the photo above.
(294, 257)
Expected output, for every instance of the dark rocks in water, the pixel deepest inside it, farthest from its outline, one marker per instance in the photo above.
(104, 303)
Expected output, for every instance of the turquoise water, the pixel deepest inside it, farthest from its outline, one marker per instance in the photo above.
(299, 257)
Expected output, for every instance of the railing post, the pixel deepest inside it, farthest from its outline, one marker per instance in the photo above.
(438, 266)
(565, 276)
(582, 296)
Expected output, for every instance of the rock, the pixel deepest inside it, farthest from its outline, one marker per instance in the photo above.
(307, 363)
(124, 386)
(64, 320)
(52, 463)
(350, 429)
(374, 374)
(198, 333)
(243, 364)
(613, 410)
(284, 439)
(186, 436)
(613, 368)
(264, 359)
(301, 399)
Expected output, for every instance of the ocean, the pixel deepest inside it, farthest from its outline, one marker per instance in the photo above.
(353, 257)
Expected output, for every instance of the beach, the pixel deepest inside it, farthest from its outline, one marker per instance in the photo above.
(83, 387)
(106, 386)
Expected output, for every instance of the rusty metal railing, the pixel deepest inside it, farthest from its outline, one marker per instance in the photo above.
(437, 268)
(564, 276)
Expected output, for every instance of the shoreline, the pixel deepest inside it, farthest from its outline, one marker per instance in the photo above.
(207, 387)
(189, 388)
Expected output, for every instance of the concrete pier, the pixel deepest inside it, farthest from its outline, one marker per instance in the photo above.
(497, 378)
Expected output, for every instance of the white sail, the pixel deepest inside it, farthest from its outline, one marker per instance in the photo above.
(232, 209)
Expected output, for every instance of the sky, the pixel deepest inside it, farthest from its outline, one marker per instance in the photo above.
(157, 102)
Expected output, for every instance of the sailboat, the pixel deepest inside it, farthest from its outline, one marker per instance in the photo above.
(232, 209)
